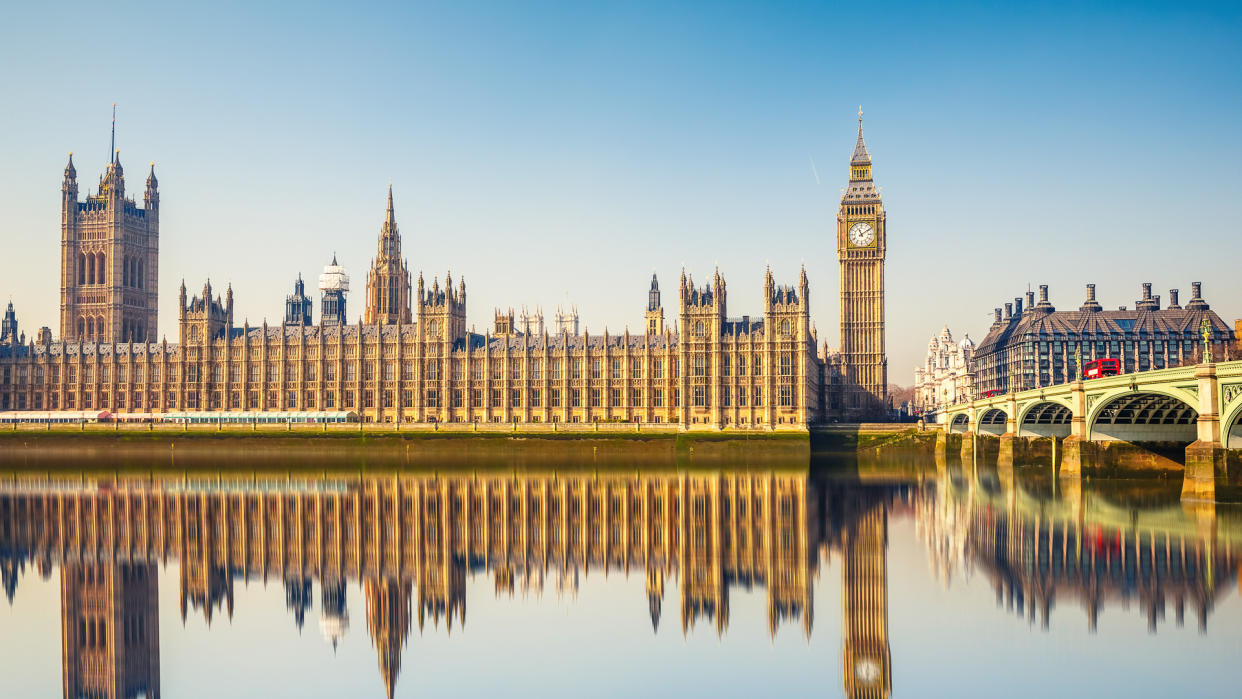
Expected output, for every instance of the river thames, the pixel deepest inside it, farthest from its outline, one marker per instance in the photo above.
(609, 577)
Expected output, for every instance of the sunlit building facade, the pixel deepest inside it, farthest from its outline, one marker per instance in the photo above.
(411, 357)
(1033, 344)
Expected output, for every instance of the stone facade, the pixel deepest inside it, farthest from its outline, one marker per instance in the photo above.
(109, 259)
(412, 359)
(947, 375)
(1038, 346)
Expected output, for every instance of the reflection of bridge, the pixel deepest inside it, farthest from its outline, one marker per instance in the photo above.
(1084, 546)
(412, 540)
(1196, 405)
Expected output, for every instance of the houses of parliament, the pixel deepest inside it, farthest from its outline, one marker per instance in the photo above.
(411, 358)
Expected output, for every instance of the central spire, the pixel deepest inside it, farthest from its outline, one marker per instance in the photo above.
(861, 156)
(388, 284)
(391, 218)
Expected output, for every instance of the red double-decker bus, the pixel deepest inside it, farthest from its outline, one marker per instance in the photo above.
(1099, 368)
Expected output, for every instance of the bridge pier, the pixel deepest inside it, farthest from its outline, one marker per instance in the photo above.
(968, 448)
(1207, 472)
(946, 443)
(1078, 457)
(1207, 461)
(1012, 450)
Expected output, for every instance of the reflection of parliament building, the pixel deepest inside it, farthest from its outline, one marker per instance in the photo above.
(411, 356)
(411, 542)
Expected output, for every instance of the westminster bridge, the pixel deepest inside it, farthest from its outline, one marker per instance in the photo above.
(1088, 422)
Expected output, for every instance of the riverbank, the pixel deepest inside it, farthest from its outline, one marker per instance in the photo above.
(96, 446)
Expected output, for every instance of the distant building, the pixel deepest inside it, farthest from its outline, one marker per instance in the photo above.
(947, 375)
(298, 305)
(333, 286)
(1039, 346)
(8, 328)
(531, 323)
(566, 321)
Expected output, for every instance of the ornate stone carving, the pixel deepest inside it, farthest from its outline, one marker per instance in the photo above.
(1231, 391)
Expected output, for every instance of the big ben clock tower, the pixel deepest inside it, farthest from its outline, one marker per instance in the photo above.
(861, 244)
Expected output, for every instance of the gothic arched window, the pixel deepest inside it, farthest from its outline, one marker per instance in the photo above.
(698, 327)
(784, 327)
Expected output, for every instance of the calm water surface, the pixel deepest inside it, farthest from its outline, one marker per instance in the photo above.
(719, 579)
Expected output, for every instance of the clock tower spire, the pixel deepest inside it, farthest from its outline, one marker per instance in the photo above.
(861, 245)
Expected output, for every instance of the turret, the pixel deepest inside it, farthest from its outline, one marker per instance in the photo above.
(297, 304)
(769, 289)
(151, 200)
(333, 288)
(8, 327)
(71, 176)
(654, 316)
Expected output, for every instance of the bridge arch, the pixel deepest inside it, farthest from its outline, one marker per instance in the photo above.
(1146, 415)
(1231, 424)
(1045, 419)
(992, 421)
(959, 424)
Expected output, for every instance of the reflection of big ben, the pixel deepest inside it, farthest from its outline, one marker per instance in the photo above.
(110, 630)
(861, 244)
(866, 664)
(388, 622)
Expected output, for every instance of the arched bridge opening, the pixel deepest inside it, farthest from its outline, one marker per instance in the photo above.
(960, 424)
(1046, 420)
(992, 422)
(1231, 432)
(1145, 417)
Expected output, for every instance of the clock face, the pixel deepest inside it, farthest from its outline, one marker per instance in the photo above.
(861, 234)
(867, 671)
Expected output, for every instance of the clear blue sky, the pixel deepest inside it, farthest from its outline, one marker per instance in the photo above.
(544, 149)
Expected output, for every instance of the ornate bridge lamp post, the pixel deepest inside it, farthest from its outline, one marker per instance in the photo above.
(1205, 329)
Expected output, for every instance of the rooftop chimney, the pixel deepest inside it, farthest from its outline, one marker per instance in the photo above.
(1196, 297)
(1017, 305)
(996, 319)
(1043, 299)
(1090, 304)
(1030, 300)
(1173, 305)
(1008, 311)
(1147, 303)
